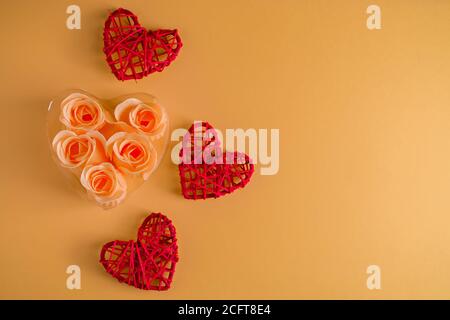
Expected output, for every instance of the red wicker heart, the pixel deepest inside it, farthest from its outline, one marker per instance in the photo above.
(132, 52)
(148, 263)
(203, 180)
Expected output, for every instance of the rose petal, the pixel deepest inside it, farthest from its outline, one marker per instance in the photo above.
(105, 184)
(119, 146)
(133, 111)
(66, 145)
(123, 109)
(81, 113)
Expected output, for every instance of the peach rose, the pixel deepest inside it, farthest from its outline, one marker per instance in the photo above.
(75, 151)
(105, 184)
(147, 119)
(132, 153)
(81, 113)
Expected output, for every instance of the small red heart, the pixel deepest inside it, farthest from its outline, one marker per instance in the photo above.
(132, 52)
(213, 180)
(148, 263)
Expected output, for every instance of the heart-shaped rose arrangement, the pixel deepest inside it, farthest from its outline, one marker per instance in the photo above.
(206, 171)
(148, 263)
(132, 52)
(108, 147)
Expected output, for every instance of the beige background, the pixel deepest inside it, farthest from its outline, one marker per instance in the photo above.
(365, 149)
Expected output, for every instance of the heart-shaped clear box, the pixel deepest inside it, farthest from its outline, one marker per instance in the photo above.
(107, 147)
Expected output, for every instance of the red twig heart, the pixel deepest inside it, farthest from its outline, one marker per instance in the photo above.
(132, 52)
(201, 179)
(148, 263)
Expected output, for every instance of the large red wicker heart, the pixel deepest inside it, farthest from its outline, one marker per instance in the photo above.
(201, 179)
(148, 263)
(132, 52)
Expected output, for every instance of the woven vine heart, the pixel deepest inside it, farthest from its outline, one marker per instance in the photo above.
(205, 179)
(132, 52)
(148, 263)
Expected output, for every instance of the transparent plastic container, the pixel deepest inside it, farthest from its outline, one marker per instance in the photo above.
(107, 148)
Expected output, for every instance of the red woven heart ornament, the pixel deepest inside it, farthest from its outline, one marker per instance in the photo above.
(148, 263)
(132, 52)
(212, 175)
